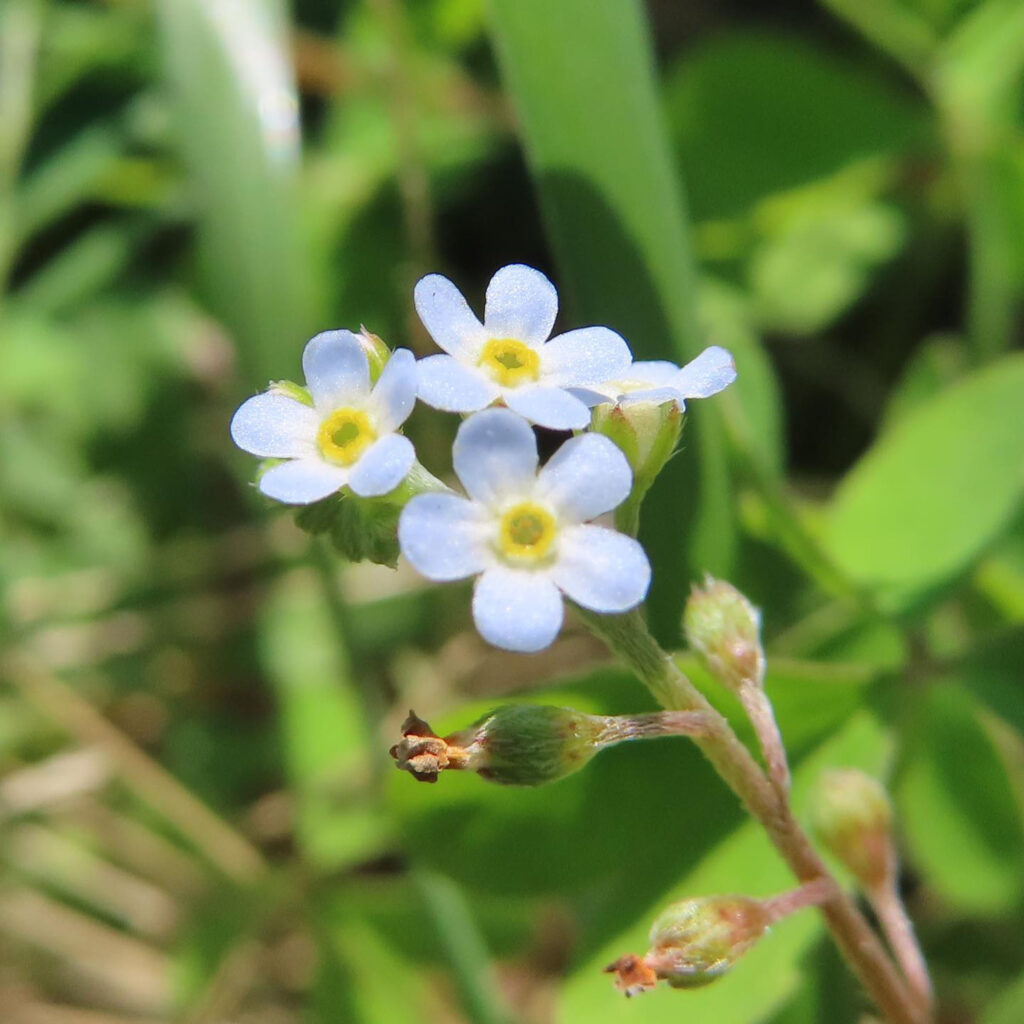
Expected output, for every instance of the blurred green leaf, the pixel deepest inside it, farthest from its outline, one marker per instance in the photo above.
(326, 747)
(236, 115)
(744, 862)
(922, 504)
(818, 250)
(957, 809)
(752, 114)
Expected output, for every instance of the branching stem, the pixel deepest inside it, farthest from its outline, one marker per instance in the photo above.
(628, 637)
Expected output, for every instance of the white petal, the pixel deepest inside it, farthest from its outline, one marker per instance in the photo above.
(448, 318)
(447, 384)
(443, 536)
(656, 395)
(336, 369)
(517, 609)
(706, 375)
(521, 303)
(495, 455)
(275, 426)
(302, 481)
(653, 372)
(595, 395)
(383, 466)
(600, 569)
(585, 478)
(394, 394)
(549, 407)
(590, 355)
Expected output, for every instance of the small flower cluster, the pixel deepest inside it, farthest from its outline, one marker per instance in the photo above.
(525, 531)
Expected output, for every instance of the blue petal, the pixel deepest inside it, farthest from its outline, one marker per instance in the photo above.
(383, 466)
(495, 455)
(448, 318)
(522, 304)
(336, 369)
(585, 478)
(302, 481)
(394, 394)
(517, 609)
(549, 407)
(600, 569)
(275, 426)
(447, 384)
(443, 536)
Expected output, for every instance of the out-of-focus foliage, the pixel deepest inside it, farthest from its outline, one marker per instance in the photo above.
(198, 818)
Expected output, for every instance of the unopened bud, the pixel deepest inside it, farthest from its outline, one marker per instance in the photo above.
(852, 816)
(377, 353)
(694, 942)
(647, 433)
(290, 389)
(724, 628)
(530, 744)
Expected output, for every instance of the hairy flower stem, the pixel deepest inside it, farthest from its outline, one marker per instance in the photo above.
(628, 637)
(899, 931)
(762, 717)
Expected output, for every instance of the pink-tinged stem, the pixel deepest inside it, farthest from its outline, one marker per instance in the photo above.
(899, 932)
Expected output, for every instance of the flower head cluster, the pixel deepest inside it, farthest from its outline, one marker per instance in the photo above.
(525, 531)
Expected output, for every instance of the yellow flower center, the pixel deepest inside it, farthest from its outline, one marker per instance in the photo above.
(526, 533)
(510, 362)
(345, 435)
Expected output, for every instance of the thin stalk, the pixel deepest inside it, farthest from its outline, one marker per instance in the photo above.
(762, 717)
(813, 894)
(628, 637)
(899, 933)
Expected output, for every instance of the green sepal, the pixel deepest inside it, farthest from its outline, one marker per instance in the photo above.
(290, 389)
(360, 529)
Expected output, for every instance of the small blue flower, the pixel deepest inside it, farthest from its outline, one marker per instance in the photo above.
(525, 533)
(661, 381)
(508, 357)
(346, 437)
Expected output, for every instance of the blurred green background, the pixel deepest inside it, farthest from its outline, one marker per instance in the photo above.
(198, 818)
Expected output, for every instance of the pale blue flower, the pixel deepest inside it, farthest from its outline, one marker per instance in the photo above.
(346, 438)
(661, 381)
(525, 532)
(508, 357)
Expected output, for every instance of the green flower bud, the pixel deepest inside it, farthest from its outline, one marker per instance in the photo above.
(723, 627)
(851, 814)
(377, 353)
(694, 942)
(290, 389)
(530, 744)
(647, 433)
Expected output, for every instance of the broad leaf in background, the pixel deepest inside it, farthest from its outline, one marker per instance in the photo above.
(744, 862)
(752, 115)
(958, 810)
(581, 75)
(924, 502)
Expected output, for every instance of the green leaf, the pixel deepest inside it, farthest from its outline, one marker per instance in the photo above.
(581, 75)
(924, 502)
(744, 862)
(361, 529)
(752, 114)
(958, 811)
(326, 748)
(236, 115)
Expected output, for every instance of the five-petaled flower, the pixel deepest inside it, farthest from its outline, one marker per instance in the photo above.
(346, 437)
(661, 381)
(526, 533)
(509, 357)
